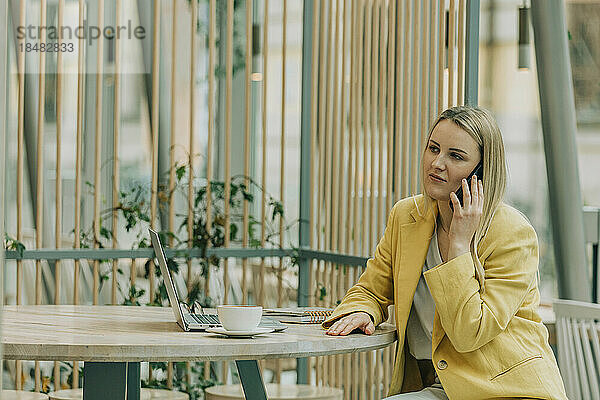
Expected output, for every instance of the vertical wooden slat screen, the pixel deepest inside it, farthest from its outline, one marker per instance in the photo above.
(378, 81)
(393, 114)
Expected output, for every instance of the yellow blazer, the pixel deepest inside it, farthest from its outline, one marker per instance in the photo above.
(484, 346)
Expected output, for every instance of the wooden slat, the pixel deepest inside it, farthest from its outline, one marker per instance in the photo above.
(366, 125)
(440, 44)
(328, 278)
(155, 130)
(211, 118)
(247, 133)
(364, 85)
(399, 108)
(97, 146)
(116, 158)
(40, 156)
(172, 144)
(20, 153)
(406, 97)
(433, 25)
(336, 155)
(319, 363)
(424, 97)
(391, 49)
(40, 172)
(377, 148)
(451, 45)
(78, 161)
(461, 52)
(357, 123)
(20, 144)
(415, 102)
(282, 157)
(345, 192)
(314, 150)
(228, 105)
(327, 281)
(353, 129)
(261, 297)
(383, 79)
(336, 176)
(391, 81)
(374, 129)
(58, 178)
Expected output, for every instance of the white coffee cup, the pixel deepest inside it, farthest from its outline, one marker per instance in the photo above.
(239, 318)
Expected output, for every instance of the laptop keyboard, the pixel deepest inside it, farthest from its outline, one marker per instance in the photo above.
(209, 319)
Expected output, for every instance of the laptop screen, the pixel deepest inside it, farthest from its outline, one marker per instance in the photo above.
(169, 284)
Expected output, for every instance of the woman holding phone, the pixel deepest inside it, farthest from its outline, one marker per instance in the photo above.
(462, 274)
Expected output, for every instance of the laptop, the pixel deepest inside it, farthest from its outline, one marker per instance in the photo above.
(187, 320)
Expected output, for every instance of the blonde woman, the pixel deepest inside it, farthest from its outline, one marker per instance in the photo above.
(462, 276)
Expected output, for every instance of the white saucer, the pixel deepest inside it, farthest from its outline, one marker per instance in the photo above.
(254, 332)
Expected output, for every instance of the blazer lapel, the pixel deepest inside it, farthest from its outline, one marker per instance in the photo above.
(414, 243)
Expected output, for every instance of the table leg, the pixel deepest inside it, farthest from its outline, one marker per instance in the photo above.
(104, 380)
(111, 380)
(252, 383)
(133, 381)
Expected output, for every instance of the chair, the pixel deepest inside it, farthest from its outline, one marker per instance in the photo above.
(579, 362)
(276, 392)
(145, 394)
(20, 395)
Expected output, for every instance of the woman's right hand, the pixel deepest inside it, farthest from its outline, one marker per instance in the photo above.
(350, 322)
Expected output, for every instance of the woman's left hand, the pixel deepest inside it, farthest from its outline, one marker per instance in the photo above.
(465, 219)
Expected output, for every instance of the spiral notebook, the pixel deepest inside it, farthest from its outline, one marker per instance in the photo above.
(305, 315)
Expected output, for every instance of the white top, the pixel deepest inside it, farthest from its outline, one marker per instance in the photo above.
(420, 321)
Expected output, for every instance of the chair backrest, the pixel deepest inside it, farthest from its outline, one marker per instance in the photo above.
(578, 347)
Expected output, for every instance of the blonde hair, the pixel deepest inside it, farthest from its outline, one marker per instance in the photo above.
(481, 125)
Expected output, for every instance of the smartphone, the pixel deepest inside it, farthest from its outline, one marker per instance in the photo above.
(459, 193)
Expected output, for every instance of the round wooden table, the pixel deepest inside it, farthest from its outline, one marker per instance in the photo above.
(112, 340)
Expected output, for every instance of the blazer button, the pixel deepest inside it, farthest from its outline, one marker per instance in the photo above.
(442, 364)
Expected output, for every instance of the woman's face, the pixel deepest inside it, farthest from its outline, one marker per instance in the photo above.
(451, 155)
